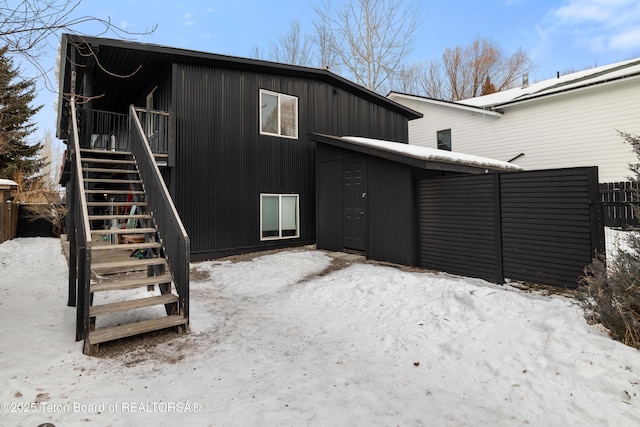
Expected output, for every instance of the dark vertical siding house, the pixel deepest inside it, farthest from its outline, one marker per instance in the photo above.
(177, 155)
(240, 166)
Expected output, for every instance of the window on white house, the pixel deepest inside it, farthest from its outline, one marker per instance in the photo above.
(278, 114)
(444, 139)
(279, 216)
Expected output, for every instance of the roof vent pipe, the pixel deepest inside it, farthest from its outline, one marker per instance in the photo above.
(525, 80)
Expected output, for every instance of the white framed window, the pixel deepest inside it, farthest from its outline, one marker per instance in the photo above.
(278, 114)
(279, 216)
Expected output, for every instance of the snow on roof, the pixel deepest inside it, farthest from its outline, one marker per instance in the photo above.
(7, 182)
(569, 81)
(434, 155)
(395, 96)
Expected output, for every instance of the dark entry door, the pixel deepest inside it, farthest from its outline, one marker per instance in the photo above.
(354, 197)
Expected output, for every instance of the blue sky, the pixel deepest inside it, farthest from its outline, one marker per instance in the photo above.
(558, 35)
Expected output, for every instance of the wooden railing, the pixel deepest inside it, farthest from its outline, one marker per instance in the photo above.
(155, 125)
(103, 130)
(173, 236)
(79, 236)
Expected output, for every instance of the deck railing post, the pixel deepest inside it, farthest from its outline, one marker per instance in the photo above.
(71, 235)
(80, 268)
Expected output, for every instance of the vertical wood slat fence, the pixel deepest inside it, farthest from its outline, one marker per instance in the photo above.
(619, 203)
(8, 220)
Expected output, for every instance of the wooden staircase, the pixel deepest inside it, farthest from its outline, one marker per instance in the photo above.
(131, 288)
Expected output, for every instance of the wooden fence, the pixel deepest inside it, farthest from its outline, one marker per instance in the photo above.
(8, 220)
(619, 202)
(17, 221)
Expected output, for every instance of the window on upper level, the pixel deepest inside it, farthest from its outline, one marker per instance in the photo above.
(444, 139)
(278, 114)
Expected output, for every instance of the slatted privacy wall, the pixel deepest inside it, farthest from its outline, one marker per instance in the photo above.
(535, 226)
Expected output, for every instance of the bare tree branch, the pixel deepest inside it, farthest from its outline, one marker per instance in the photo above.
(430, 80)
(26, 27)
(292, 47)
(369, 38)
(477, 69)
(324, 41)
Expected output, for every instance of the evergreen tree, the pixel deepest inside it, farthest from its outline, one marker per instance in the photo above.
(18, 159)
(611, 290)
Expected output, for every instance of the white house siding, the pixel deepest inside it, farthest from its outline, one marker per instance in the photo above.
(576, 128)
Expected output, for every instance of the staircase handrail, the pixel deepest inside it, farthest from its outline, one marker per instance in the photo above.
(173, 235)
(80, 241)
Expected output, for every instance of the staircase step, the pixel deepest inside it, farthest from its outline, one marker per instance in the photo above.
(106, 152)
(116, 203)
(116, 285)
(106, 217)
(116, 307)
(108, 191)
(131, 264)
(162, 159)
(107, 161)
(126, 246)
(123, 231)
(108, 170)
(122, 331)
(113, 181)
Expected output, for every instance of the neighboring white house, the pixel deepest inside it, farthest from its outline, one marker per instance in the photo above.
(567, 121)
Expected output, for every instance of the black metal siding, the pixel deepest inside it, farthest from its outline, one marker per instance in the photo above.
(391, 208)
(223, 163)
(329, 198)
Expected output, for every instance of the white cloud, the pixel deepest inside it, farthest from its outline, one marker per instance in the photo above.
(188, 21)
(599, 25)
(626, 40)
(596, 44)
(579, 11)
(609, 13)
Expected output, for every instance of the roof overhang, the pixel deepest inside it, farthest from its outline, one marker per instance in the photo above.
(416, 156)
(396, 96)
(560, 85)
(127, 67)
(8, 184)
(7, 187)
(564, 90)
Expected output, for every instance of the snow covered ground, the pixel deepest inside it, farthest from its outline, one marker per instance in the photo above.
(276, 342)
